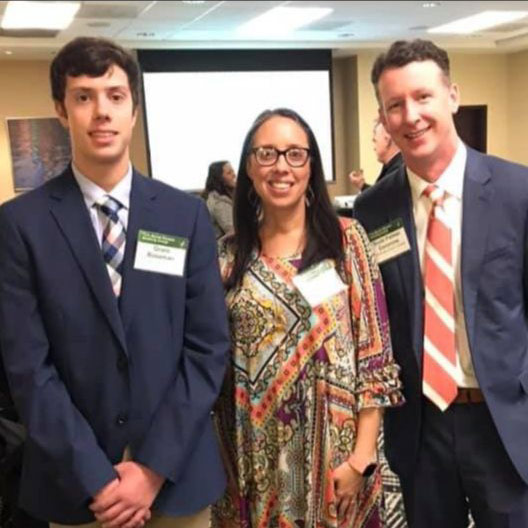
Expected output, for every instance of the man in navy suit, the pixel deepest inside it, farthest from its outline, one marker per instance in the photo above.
(459, 443)
(113, 324)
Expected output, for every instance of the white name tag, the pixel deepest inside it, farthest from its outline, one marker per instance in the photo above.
(390, 241)
(160, 253)
(319, 283)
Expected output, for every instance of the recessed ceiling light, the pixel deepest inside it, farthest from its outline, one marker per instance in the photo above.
(282, 20)
(430, 4)
(478, 22)
(8, 52)
(39, 15)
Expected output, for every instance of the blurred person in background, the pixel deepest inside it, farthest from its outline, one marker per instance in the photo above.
(387, 152)
(218, 196)
(357, 181)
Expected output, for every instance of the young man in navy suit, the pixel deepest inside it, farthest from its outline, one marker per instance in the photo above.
(451, 230)
(114, 331)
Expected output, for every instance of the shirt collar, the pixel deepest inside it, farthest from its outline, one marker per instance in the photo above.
(92, 193)
(451, 180)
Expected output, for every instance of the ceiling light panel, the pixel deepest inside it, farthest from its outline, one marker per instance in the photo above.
(479, 22)
(39, 15)
(282, 20)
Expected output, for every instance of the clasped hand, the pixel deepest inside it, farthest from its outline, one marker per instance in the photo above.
(125, 501)
(347, 483)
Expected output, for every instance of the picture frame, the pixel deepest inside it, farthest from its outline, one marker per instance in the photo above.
(40, 150)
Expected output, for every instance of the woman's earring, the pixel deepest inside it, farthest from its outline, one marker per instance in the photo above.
(309, 197)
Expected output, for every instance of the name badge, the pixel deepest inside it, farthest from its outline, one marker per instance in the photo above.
(319, 282)
(160, 253)
(389, 241)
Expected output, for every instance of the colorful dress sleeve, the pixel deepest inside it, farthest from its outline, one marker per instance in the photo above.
(378, 382)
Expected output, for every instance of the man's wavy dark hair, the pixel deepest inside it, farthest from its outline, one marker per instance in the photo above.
(92, 57)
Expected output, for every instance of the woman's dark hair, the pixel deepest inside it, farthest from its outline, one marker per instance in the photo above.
(324, 235)
(215, 180)
(92, 57)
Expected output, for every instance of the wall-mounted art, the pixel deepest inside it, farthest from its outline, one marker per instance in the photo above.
(40, 149)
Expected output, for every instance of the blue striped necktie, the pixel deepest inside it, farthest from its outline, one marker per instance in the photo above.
(113, 244)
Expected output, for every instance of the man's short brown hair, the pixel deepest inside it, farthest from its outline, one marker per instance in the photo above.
(403, 52)
(92, 57)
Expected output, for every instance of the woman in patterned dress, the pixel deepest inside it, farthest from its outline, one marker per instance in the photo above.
(311, 364)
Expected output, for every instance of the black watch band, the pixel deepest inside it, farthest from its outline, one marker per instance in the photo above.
(369, 470)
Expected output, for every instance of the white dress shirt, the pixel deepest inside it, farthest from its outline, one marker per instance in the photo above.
(451, 181)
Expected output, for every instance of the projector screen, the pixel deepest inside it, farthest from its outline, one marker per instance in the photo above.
(196, 117)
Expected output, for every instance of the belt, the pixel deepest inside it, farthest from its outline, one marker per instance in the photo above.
(467, 395)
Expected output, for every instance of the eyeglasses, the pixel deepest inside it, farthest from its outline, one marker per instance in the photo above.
(294, 156)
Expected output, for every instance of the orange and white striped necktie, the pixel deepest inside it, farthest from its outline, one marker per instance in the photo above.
(439, 357)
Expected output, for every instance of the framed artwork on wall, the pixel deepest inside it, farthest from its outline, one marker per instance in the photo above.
(40, 149)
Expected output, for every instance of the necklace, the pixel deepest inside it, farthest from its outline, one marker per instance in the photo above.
(287, 255)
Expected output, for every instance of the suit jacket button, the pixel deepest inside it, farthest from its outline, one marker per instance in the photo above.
(121, 419)
(122, 363)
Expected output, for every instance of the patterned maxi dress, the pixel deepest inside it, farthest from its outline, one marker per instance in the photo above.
(298, 377)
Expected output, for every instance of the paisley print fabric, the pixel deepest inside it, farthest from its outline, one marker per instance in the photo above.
(298, 377)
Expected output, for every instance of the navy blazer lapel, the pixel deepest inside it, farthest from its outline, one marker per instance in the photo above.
(476, 199)
(141, 216)
(400, 206)
(69, 210)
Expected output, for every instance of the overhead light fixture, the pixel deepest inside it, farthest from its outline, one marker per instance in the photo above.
(484, 20)
(8, 52)
(39, 15)
(430, 4)
(282, 20)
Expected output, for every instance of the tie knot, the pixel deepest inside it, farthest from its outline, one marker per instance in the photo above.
(109, 206)
(435, 194)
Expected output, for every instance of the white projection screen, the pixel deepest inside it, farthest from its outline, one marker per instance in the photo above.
(196, 117)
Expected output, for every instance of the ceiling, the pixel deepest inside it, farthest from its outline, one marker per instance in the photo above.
(212, 24)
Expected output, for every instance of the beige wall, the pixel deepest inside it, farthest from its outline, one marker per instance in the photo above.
(368, 111)
(24, 92)
(498, 81)
(346, 153)
(518, 107)
(484, 79)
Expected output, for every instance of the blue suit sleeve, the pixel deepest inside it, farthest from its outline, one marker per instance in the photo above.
(186, 408)
(55, 427)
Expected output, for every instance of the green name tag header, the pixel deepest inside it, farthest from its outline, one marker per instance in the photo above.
(385, 230)
(159, 239)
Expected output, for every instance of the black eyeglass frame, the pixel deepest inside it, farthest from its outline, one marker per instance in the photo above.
(280, 153)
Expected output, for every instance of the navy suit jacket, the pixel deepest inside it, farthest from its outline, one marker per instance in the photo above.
(494, 271)
(90, 377)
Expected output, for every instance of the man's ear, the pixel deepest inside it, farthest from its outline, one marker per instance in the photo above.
(61, 113)
(381, 115)
(454, 98)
